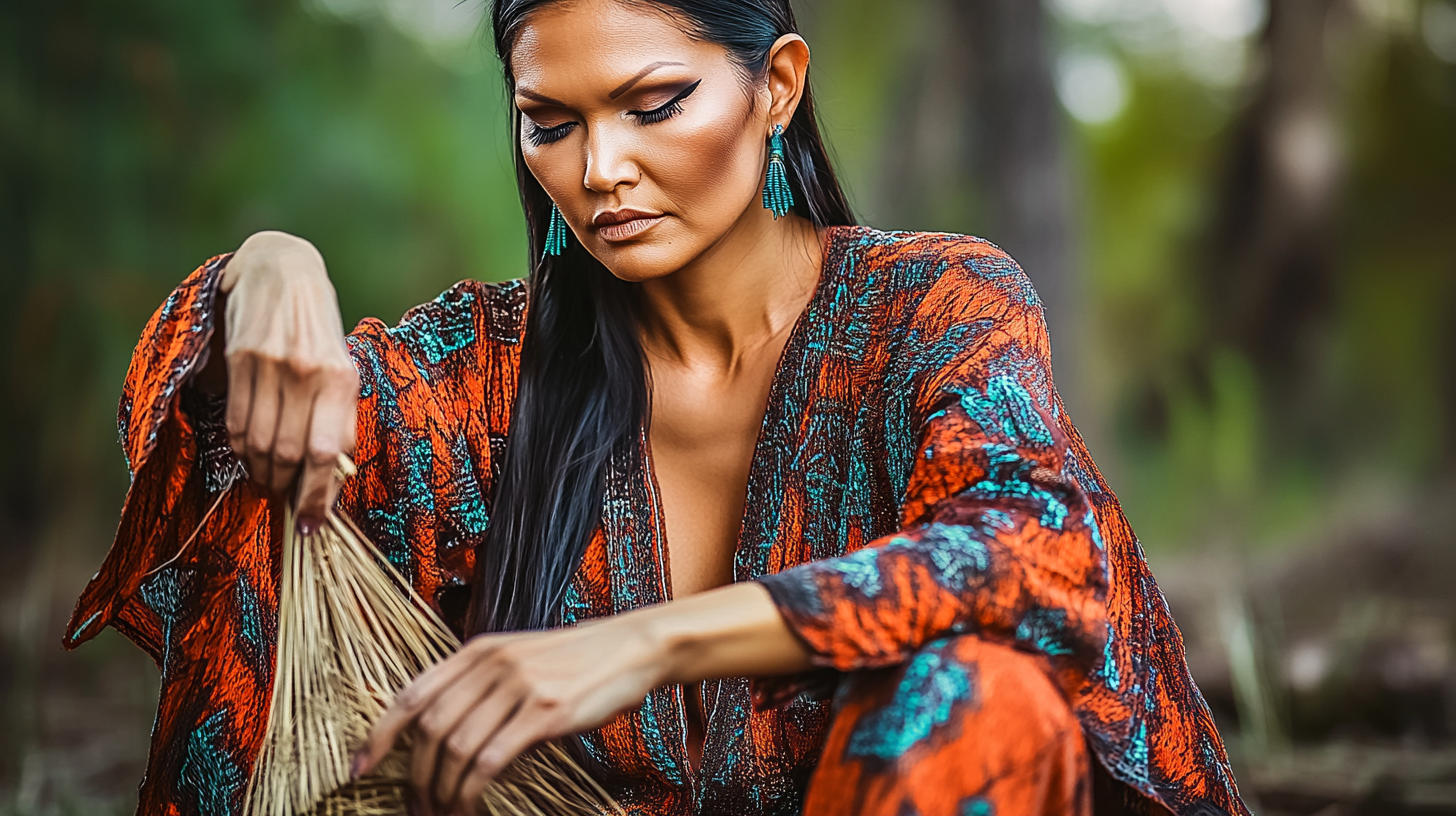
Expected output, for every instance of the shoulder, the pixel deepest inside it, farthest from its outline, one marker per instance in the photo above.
(951, 278)
(467, 320)
(958, 308)
(498, 308)
(465, 312)
(917, 248)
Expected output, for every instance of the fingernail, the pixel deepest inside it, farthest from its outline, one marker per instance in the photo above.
(307, 526)
(356, 765)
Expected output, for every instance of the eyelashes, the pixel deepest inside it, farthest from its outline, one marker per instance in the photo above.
(539, 136)
(667, 111)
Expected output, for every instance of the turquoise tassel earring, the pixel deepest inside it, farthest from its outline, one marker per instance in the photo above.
(556, 233)
(777, 195)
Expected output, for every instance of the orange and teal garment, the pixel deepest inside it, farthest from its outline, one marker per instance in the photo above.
(920, 508)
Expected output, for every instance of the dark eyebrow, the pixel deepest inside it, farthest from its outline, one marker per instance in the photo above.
(529, 94)
(625, 86)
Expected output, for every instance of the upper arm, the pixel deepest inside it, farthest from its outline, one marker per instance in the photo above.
(980, 319)
(979, 365)
(995, 538)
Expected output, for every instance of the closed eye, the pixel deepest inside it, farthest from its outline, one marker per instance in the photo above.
(668, 110)
(539, 135)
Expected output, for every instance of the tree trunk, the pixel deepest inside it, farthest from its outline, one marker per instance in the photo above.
(1269, 272)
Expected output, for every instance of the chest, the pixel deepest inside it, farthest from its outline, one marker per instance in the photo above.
(811, 471)
(811, 465)
(704, 432)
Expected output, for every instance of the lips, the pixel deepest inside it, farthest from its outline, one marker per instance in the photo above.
(623, 225)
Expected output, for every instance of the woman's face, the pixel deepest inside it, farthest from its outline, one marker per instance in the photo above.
(651, 143)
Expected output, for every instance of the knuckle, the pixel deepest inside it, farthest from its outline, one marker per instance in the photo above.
(256, 442)
(408, 699)
(322, 455)
(238, 354)
(303, 370)
(458, 747)
(287, 458)
(288, 451)
(268, 359)
(510, 670)
(431, 725)
(510, 658)
(487, 762)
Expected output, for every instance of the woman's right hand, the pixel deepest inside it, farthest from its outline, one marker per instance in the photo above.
(292, 389)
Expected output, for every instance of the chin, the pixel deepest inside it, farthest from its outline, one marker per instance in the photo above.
(644, 259)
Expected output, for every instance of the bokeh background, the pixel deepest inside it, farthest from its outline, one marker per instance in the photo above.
(1241, 215)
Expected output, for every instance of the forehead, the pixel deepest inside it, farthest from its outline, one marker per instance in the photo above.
(601, 42)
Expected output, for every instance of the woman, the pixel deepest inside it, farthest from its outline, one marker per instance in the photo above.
(912, 523)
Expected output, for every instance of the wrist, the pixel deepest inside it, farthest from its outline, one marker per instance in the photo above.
(275, 250)
(669, 644)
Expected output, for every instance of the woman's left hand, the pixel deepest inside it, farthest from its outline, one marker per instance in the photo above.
(470, 716)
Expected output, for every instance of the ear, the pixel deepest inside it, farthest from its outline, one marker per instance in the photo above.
(788, 77)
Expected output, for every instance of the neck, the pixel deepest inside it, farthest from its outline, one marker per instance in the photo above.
(743, 292)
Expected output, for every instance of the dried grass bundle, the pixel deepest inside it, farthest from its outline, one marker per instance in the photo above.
(351, 634)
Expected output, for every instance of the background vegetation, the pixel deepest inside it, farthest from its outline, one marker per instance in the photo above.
(1242, 217)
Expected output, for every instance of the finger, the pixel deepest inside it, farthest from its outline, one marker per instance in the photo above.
(350, 444)
(509, 741)
(329, 431)
(295, 409)
(262, 422)
(475, 725)
(241, 370)
(435, 725)
(407, 706)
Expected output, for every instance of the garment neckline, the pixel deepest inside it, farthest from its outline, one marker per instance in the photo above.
(830, 241)
(789, 362)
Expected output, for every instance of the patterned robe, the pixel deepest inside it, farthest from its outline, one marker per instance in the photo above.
(915, 480)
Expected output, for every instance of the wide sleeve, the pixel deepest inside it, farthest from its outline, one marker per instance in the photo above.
(995, 539)
(173, 345)
(435, 398)
(192, 575)
(1008, 531)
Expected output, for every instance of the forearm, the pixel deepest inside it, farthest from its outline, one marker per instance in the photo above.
(735, 631)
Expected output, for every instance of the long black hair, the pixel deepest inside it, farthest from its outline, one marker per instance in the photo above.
(584, 391)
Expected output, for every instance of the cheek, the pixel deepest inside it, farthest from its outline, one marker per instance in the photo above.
(557, 169)
(707, 171)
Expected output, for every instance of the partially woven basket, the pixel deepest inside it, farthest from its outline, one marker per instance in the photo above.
(352, 633)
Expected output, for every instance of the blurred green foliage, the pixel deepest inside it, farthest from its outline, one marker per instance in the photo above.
(141, 139)
(1191, 447)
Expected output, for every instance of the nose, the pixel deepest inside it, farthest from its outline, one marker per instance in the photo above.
(609, 163)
